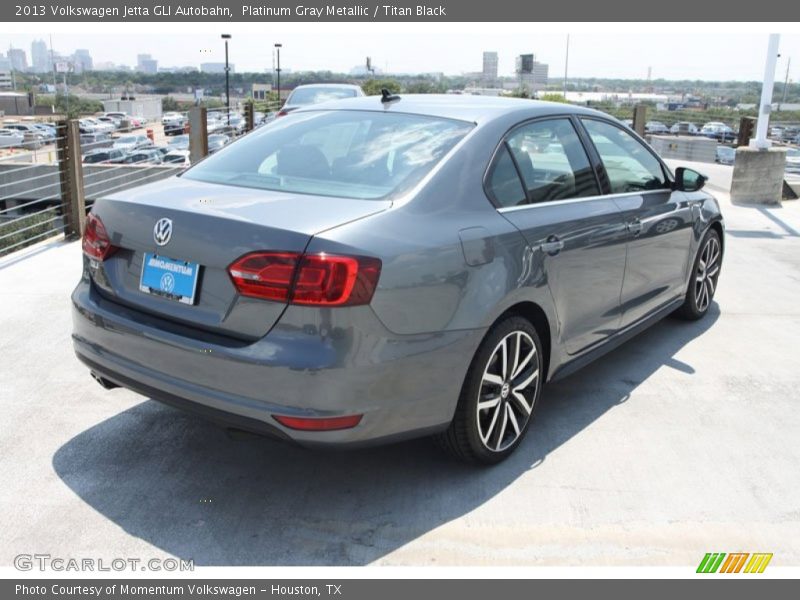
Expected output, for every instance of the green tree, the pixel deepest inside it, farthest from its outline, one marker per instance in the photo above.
(554, 98)
(168, 103)
(373, 87)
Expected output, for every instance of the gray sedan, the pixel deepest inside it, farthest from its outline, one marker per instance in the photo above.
(381, 268)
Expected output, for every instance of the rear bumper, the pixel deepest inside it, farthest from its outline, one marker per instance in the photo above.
(314, 363)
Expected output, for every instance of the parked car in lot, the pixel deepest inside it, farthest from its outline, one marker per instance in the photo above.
(173, 123)
(655, 127)
(132, 142)
(33, 138)
(718, 131)
(105, 156)
(143, 156)
(684, 128)
(11, 138)
(726, 155)
(305, 95)
(112, 121)
(177, 157)
(217, 141)
(793, 160)
(179, 142)
(47, 131)
(381, 269)
(98, 126)
(95, 141)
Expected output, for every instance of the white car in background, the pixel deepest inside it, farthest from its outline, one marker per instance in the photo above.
(129, 143)
(177, 157)
(99, 126)
(10, 138)
(304, 95)
(684, 127)
(793, 160)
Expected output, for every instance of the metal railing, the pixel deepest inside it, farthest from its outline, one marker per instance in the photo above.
(47, 192)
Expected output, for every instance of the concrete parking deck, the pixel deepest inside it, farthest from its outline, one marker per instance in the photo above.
(685, 440)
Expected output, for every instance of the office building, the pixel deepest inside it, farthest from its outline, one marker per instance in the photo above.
(489, 73)
(146, 63)
(82, 60)
(40, 57)
(18, 58)
(531, 75)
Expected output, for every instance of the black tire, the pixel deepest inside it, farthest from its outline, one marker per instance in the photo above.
(464, 438)
(704, 278)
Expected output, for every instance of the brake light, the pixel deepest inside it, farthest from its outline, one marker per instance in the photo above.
(307, 279)
(319, 424)
(282, 113)
(96, 243)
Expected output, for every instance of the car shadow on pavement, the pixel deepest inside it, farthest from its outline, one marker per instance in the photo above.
(184, 486)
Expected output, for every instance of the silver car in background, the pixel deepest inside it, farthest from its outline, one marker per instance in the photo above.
(387, 267)
(306, 95)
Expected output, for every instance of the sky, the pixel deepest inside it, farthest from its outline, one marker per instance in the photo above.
(450, 48)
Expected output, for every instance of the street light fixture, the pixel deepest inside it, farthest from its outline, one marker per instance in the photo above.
(278, 71)
(226, 37)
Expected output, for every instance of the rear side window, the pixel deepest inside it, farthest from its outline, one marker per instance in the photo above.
(552, 161)
(503, 183)
(352, 154)
(630, 166)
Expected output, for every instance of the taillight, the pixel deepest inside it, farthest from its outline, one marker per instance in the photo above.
(96, 243)
(282, 113)
(319, 424)
(307, 279)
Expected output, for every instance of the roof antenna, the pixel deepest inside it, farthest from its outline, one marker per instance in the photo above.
(387, 96)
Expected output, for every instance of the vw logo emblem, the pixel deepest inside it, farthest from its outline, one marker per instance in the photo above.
(167, 282)
(162, 232)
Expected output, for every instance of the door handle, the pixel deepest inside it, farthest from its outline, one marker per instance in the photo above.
(634, 227)
(552, 246)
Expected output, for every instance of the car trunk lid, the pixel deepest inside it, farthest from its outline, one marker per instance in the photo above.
(212, 226)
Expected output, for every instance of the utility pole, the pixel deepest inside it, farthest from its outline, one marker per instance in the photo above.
(13, 73)
(278, 47)
(786, 81)
(53, 64)
(566, 67)
(226, 37)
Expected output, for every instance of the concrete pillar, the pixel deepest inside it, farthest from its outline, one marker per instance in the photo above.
(198, 133)
(758, 175)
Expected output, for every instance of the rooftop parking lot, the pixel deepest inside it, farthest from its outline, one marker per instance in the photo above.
(681, 442)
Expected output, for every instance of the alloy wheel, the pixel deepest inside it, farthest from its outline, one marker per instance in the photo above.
(705, 282)
(507, 391)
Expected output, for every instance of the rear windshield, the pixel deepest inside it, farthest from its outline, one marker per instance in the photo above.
(352, 154)
(317, 95)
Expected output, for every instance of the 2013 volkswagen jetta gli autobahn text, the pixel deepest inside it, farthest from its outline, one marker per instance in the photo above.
(378, 268)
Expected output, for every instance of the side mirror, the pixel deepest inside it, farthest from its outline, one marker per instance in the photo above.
(689, 180)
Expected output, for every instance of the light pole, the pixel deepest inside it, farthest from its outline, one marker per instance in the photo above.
(278, 71)
(762, 125)
(226, 37)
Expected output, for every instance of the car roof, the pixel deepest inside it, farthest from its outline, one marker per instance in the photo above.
(475, 109)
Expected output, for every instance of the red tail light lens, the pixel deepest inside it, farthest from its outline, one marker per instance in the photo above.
(307, 279)
(324, 424)
(96, 243)
(266, 275)
(282, 113)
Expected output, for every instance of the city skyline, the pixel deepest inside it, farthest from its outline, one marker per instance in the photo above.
(724, 57)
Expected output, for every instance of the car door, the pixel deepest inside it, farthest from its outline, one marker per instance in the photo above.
(542, 181)
(659, 219)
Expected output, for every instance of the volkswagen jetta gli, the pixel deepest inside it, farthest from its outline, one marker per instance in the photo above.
(384, 267)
